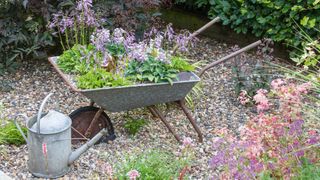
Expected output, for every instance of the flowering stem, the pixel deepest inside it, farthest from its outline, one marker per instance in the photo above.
(76, 32)
(61, 40)
(82, 27)
(67, 39)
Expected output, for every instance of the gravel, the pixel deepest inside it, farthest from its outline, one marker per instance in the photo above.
(216, 108)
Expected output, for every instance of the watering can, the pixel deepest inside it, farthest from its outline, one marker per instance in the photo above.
(49, 143)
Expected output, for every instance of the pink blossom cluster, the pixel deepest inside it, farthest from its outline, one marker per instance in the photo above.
(133, 174)
(261, 100)
(187, 142)
(244, 98)
(270, 141)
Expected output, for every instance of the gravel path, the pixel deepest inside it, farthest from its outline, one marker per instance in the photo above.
(218, 107)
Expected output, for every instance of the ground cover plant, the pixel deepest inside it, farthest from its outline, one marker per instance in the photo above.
(99, 57)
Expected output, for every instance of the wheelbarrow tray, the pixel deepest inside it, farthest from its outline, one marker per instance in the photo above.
(115, 99)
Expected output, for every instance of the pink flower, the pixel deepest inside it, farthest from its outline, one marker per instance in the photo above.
(312, 132)
(243, 97)
(303, 88)
(187, 142)
(133, 174)
(277, 83)
(108, 169)
(261, 100)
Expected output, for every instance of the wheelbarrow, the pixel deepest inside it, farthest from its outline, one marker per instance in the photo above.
(116, 99)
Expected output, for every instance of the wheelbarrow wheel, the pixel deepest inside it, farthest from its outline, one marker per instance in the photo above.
(81, 119)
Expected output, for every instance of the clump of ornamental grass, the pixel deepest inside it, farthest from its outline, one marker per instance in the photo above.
(274, 144)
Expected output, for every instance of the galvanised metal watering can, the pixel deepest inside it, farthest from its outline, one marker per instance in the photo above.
(49, 143)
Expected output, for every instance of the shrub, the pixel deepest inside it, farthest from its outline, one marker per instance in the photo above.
(128, 14)
(264, 18)
(23, 31)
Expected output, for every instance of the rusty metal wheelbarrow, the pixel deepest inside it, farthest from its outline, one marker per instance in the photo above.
(116, 99)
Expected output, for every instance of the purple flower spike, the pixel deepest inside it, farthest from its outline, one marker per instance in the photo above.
(158, 41)
(169, 34)
(118, 37)
(100, 38)
(139, 52)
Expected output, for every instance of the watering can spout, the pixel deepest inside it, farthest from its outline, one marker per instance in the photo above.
(76, 154)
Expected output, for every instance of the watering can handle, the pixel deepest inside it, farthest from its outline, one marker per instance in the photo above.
(40, 111)
(18, 126)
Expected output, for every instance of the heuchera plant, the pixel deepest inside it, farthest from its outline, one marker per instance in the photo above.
(275, 143)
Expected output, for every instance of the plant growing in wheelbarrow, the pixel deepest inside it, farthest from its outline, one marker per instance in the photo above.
(128, 62)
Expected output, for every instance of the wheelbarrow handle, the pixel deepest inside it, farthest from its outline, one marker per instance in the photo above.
(247, 48)
(194, 34)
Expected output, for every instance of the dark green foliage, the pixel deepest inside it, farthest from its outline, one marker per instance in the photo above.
(264, 18)
(131, 15)
(23, 32)
(98, 78)
(134, 125)
(151, 70)
(152, 165)
(251, 82)
(116, 49)
(181, 64)
(9, 134)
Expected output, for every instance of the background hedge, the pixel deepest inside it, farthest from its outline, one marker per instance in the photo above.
(276, 19)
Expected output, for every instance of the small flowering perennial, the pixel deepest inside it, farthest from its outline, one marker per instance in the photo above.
(244, 98)
(275, 144)
(261, 100)
(187, 142)
(133, 174)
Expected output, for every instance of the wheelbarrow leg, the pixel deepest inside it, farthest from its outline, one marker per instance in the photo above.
(154, 111)
(95, 118)
(181, 103)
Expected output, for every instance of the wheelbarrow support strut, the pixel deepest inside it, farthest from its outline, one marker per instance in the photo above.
(156, 113)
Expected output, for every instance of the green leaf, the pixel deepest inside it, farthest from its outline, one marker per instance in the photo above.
(304, 21)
